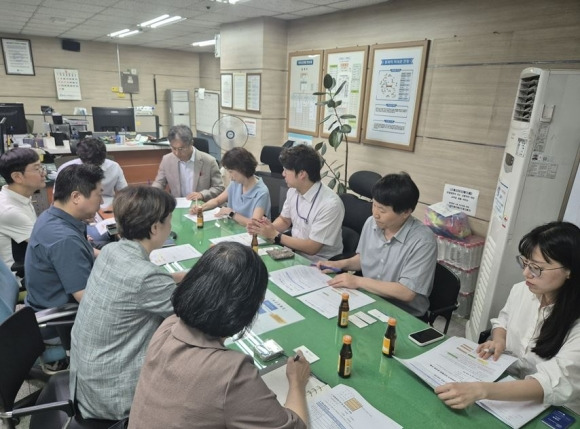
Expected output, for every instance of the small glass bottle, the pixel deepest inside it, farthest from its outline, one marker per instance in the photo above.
(343, 311)
(199, 217)
(255, 242)
(390, 338)
(345, 357)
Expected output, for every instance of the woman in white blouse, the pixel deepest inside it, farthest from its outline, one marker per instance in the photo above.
(540, 324)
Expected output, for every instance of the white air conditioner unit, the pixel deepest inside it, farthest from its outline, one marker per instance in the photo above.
(539, 166)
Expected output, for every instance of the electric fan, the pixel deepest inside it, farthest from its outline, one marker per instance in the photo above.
(230, 131)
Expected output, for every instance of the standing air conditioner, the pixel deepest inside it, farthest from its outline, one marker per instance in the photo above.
(539, 166)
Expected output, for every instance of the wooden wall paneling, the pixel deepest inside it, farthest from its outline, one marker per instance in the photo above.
(140, 167)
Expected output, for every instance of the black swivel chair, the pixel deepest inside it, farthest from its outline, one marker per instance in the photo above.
(443, 297)
(18, 253)
(273, 179)
(201, 144)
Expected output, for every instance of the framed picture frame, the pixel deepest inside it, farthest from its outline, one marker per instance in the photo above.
(254, 92)
(226, 87)
(304, 78)
(239, 91)
(17, 55)
(350, 65)
(393, 94)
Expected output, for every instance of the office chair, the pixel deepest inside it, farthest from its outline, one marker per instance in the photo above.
(273, 179)
(201, 144)
(9, 288)
(18, 254)
(443, 297)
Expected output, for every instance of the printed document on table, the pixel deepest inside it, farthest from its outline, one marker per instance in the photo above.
(243, 238)
(456, 360)
(208, 215)
(344, 407)
(182, 203)
(327, 300)
(173, 254)
(274, 313)
(275, 378)
(513, 413)
(299, 279)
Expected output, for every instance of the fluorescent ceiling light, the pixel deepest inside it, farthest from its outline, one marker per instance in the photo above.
(130, 33)
(204, 43)
(154, 20)
(171, 20)
(117, 33)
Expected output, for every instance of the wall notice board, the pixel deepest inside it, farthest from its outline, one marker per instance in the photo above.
(207, 110)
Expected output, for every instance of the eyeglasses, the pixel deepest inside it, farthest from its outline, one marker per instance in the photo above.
(40, 169)
(179, 149)
(535, 269)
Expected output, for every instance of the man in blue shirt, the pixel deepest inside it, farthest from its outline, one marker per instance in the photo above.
(59, 257)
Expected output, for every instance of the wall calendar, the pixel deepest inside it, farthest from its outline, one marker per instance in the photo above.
(68, 85)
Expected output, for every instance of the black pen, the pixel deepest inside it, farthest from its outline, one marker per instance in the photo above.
(296, 358)
(326, 267)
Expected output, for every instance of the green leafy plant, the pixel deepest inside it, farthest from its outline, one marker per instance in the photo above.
(339, 131)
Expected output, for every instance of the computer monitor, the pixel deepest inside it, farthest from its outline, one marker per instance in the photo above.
(113, 119)
(15, 122)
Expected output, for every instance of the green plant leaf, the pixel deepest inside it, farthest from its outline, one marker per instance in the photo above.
(328, 81)
(332, 183)
(340, 88)
(319, 93)
(337, 103)
(346, 128)
(347, 116)
(324, 174)
(331, 125)
(335, 138)
(341, 189)
(323, 151)
(331, 103)
(318, 146)
(337, 174)
(326, 119)
(322, 103)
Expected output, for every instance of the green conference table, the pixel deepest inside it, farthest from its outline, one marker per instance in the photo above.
(384, 382)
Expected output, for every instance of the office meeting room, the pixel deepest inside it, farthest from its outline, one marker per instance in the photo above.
(289, 214)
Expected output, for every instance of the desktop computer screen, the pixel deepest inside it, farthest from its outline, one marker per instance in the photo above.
(113, 119)
(15, 122)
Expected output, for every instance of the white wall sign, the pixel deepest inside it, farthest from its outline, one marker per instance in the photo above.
(460, 198)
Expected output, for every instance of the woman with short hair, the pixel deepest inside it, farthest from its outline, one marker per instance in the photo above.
(190, 379)
(247, 195)
(126, 299)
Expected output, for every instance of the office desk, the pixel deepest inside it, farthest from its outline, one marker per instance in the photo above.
(383, 381)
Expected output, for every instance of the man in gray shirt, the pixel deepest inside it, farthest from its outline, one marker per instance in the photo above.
(396, 252)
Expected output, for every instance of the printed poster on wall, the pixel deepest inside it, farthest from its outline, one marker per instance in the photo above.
(347, 65)
(303, 113)
(68, 85)
(394, 94)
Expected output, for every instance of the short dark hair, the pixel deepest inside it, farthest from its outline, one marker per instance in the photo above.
(223, 291)
(558, 242)
(397, 191)
(16, 160)
(137, 208)
(181, 132)
(302, 158)
(241, 160)
(92, 151)
(82, 178)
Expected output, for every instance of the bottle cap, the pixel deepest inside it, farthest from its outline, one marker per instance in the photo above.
(392, 321)
(347, 339)
(345, 295)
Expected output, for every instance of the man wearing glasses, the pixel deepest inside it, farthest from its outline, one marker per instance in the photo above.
(24, 175)
(187, 171)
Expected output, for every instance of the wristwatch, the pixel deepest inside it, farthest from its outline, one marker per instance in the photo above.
(232, 214)
(278, 238)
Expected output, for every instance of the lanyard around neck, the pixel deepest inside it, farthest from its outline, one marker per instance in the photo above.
(305, 219)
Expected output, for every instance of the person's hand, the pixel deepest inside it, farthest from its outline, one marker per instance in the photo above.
(460, 395)
(224, 211)
(298, 371)
(491, 348)
(333, 264)
(193, 209)
(344, 280)
(263, 227)
(194, 196)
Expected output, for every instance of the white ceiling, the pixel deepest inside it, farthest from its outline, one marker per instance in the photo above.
(94, 19)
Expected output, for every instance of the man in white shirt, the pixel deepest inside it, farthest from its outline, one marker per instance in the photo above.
(188, 172)
(24, 175)
(312, 209)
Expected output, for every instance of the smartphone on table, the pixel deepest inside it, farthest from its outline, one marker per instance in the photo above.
(426, 336)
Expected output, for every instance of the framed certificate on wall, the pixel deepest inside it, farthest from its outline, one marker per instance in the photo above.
(18, 57)
(393, 95)
(254, 92)
(226, 90)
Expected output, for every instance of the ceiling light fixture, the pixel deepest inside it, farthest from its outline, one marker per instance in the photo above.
(204, 43)
(171, 20)
(153, 21)
(117, 33)
(130, 33)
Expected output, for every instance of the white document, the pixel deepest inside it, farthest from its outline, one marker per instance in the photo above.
(327, 300)
(299, 279)
(208, 215)
(102, 225)
(344, 407)
(513, 413)
(182, 203)
(277, 381)
(455, 360)
(173, 254)
(274, 313)
(243, 238)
